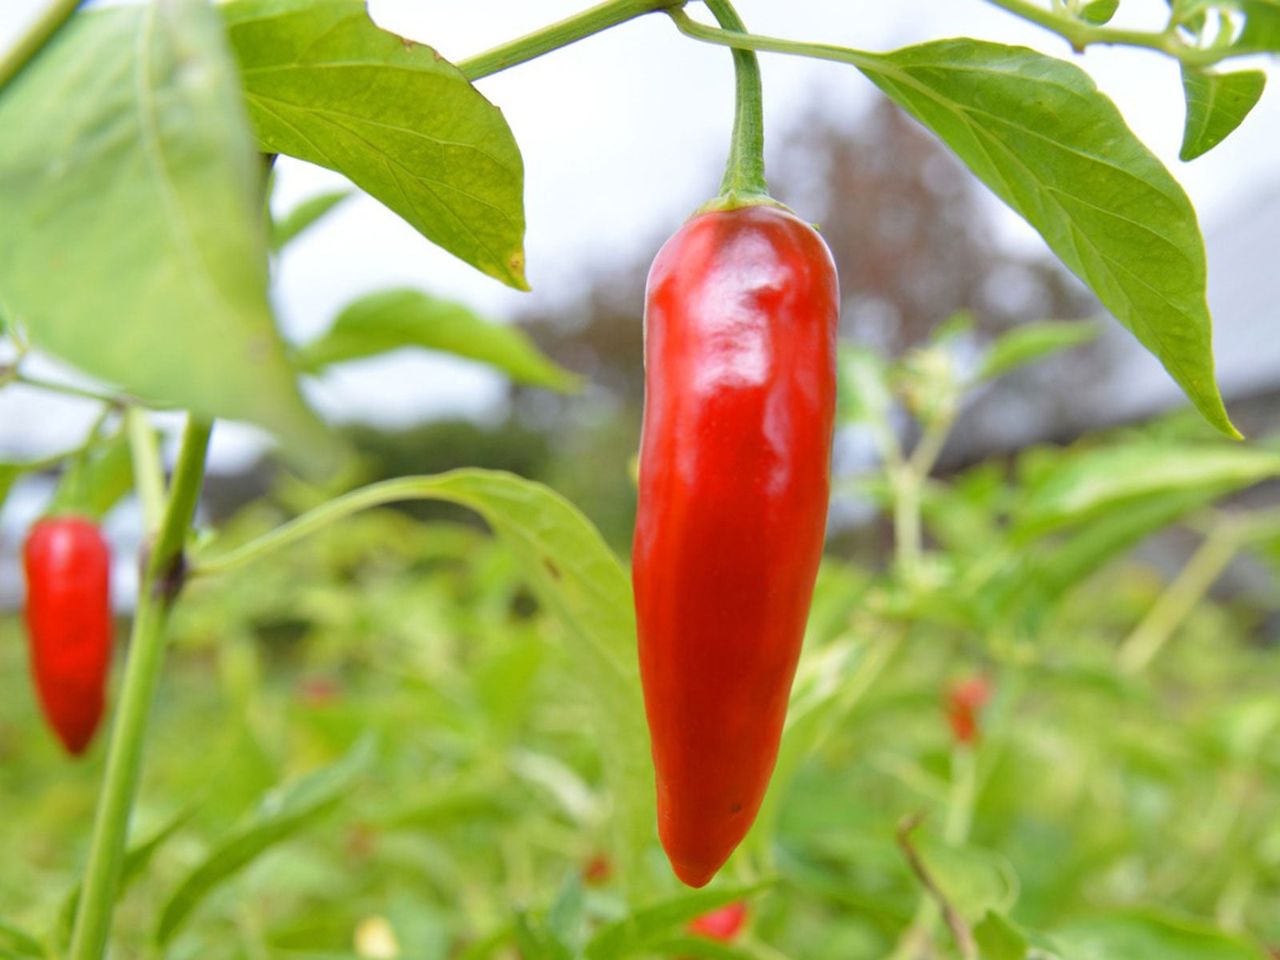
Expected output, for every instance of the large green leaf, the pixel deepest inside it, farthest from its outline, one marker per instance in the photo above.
(130, 194)
(280, 815)
(1126, 937)
(326, 85)
(1217, 103)
(579, 579)
(1039, 133)
(395, 319)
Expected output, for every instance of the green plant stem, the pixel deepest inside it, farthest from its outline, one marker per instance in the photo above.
(1178, 600)
(964, 792)
(50, 21)
(1165, 43)
(744, 180)
(66, 388)
(1080, 33)
(162, 576)
(560, 34)
(148, 474)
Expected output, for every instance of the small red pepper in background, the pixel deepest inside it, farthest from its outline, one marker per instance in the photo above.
(68, 568)
(740, 326)
(965, 701)
(721, 925)
(597, 871)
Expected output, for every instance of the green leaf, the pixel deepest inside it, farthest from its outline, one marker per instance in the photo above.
(396, 319)
(1100, 480)
(578, 578)
(133, 244)
(16, 942)
(1040, 577)
(326, 85)
(95, 482)
(1217, 103)
(645, 927)
(9, 474)
(1099, 11)
(1031, 342)
(136, 859)
(303, 216)
(1127, 936)
(1039, 133)
(281, 814)
(999, 939)
(1260, 32)
(974, 879)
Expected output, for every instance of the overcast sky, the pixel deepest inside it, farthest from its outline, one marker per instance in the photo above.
(623, 135)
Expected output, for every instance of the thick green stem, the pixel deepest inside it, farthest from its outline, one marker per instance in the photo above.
(49, 22)
(160, 581)
(744, 172)
(560, 34)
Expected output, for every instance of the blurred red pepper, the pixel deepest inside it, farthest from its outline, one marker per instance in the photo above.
(965, 701)
(722, 925)
(68, 568)
(597, 871)
(740, 325)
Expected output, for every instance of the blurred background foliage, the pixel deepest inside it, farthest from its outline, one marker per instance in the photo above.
(376, 744)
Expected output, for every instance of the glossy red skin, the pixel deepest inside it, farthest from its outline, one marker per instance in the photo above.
(68, 568)
(740, 324)
(722, 925)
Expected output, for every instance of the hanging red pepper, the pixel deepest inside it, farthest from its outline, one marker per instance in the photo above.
(740, 325)
(68, 566)
(965, 701)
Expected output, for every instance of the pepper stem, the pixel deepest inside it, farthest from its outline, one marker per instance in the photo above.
(744, 181)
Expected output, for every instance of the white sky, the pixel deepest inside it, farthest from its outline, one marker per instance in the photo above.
(622, 135)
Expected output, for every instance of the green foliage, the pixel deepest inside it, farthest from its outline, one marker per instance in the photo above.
(1217, 103)
(286, 229)
(1040, 135)
(327, 86)
(1031, 342)
(279, 816)
(133, 246)
(97, 479)
(637, 933)
(396, 319)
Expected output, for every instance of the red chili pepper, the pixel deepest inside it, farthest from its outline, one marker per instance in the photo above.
(740, 325)
(597, 871)
(68, 566)
(965, 701)
(722, 925)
